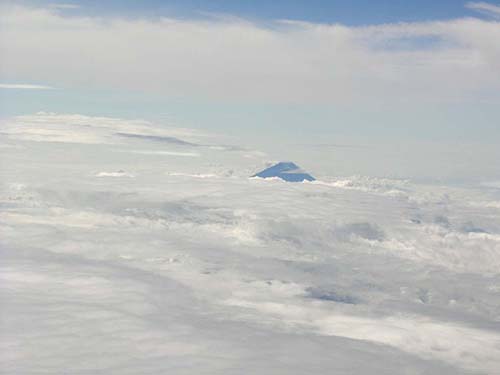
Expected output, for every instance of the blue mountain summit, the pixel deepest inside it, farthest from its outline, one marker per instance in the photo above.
(287, 171)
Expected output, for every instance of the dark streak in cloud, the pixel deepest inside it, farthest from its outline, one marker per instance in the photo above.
(158, 138)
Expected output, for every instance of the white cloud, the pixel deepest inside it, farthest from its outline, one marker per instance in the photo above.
(24, 86)
(74, 128)
(486, 8)
(235, 59)
(64, 6)
(169, 153)
(171, 268)
(119, 173)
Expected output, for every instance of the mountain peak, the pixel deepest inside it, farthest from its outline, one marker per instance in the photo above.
(286, 170)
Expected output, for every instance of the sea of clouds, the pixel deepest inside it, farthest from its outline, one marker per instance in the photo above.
(132, 248)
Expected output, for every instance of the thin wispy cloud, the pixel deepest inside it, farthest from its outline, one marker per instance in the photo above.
(64, 6)
(485, 8)
(24, 86)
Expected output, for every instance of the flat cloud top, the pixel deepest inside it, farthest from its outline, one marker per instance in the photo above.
(172, 263)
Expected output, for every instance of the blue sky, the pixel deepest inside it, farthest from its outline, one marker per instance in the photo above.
(352, 12)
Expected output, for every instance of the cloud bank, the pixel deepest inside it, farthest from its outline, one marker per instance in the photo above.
(173, 264)
(228, 58)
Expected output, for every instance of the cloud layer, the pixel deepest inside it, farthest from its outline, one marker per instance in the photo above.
(230, 58)
(176, 264)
